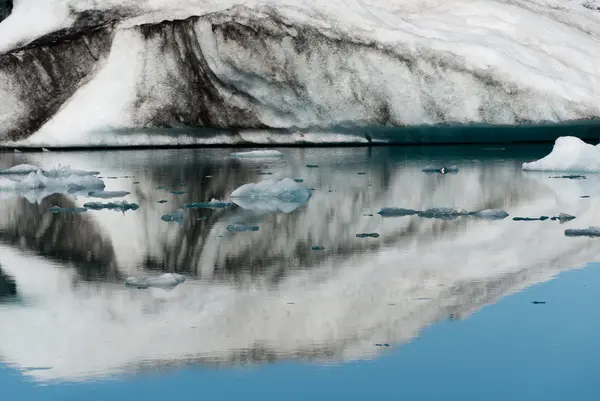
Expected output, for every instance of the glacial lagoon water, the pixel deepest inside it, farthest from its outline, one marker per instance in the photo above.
(301, 305)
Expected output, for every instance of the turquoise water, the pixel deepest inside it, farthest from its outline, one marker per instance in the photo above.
(263, 316)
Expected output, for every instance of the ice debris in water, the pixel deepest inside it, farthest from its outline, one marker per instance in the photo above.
(563, 217)
(176, 216)
(571, 177)
(367, 235)
(213, 204)
(240, 228)
(60, 171)
(271, 195)
(162, 201)
(318, 248)
(441, 170)
(165, 281)
(396, 212)
(108, 194)
(443, 213)
(178, 192)
(583, 232)
(568, 154)
(118, 205)
(541, 218)
(258, 153)
(490, 214)
(38, 179)
(57, 209)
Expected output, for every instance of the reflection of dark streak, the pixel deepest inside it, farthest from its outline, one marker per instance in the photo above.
(69, 238)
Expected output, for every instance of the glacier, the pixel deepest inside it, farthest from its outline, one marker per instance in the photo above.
(165, 72)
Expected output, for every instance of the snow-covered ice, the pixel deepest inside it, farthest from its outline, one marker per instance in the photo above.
(568, 154)
(272, 195)
(410, 62)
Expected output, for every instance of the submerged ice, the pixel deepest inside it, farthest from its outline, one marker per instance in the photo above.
(286, 64)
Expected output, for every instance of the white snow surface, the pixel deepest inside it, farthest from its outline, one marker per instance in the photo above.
(569, 154)
(533, 60)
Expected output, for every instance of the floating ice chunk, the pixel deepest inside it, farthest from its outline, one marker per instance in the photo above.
(65, 171)
(162, 201)
(165, 281)
(443, 213)
(108, 194)
(175, 216)
(178, 192)
(441, 170)
(258, 153)
(37, 179)
(213, 204)
(563, 217)
(318, 248)
(19, 169)
(271, 196)
(57, 209)
(490, 214)
(118, 205)
(367, 235)
(568, 154)
(239, 228)
(583, 232)
(541, 218)
(396, 212)
(45, 150)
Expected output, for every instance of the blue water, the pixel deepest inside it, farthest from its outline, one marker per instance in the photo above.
(476, 336)
(512, 350)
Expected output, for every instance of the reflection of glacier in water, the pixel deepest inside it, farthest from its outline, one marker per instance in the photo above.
(267, 296)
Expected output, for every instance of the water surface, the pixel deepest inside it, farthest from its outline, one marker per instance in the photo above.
(302, 308)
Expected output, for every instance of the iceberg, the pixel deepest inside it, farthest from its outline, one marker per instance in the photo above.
(116, 73)
(166, 281)
(24, 182)
(272, 195)
(568, 154)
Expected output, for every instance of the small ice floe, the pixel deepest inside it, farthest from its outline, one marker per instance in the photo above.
(571, 177)
(367, 235)
(45, 150)
(178, 192)
(440, 170)
(257, 154)
(568, 154)
(162, 201)
(583, 232)
(490, 214)
(563, 217)
(318, 248)
(57, 209)
(443, 213)
(176, 216)
(284, 195)
(108, 194)
(396, 212)
(213, 204)
(166, 281)
(312, 165)
(117, 205)
(541, 218)
(239, 228)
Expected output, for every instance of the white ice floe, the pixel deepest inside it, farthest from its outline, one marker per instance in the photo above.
(568, 154)
(273, 195)
(165, 281)
(258, 154)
